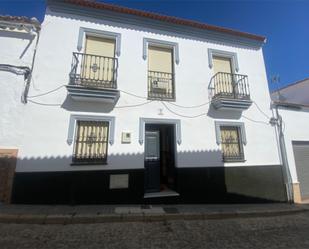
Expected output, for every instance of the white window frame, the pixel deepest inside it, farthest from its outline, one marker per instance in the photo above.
(161, 43)
(225, 54)
(240, 125)
(144, 121)
(73, 125)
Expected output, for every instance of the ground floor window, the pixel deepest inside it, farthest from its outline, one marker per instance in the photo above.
(91, 142)
(232, 148)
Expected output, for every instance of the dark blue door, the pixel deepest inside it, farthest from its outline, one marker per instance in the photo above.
(152, 161)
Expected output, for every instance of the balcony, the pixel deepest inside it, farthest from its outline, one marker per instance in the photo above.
(161, 85)
(230, 91)
(93, 78)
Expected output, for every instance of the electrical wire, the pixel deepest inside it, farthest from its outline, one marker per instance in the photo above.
(255, 121)
(261, 110)
(128, 106)
(181, 115)
(51, 91)
(188, 107)
(132, 94)
(141, 97)
(44, 104)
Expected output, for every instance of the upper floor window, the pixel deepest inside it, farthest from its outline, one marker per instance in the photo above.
(160, 72)
(95, 66)
(225, 83)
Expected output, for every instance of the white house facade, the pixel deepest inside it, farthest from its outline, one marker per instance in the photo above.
(291, 105)
(18, 39)
(127, 106)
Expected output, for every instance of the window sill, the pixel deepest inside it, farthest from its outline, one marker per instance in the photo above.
(162, 99)
(234, 160)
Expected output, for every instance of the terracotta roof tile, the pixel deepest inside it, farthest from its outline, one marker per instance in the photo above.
(164, 18)
(20, 19)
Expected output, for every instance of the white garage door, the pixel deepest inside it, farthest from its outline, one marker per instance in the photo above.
(301, 155)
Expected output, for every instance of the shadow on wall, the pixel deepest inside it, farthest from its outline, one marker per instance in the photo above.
(223, 114)
(195, 183)
(83, 106)
(19, 35)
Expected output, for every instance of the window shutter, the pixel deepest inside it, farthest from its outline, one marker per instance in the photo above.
(222, 64)
(100, 46)
(160, 59)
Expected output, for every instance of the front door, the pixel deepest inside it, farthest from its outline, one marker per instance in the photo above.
(152, 161)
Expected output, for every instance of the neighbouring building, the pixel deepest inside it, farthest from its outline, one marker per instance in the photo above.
(18, 38)
(127, 106)
(291, 105)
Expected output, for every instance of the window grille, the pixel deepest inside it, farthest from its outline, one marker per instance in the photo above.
(232, 148)
(91, 142)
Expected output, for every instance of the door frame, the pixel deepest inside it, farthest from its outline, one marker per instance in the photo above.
(176, 127)
(175, 122)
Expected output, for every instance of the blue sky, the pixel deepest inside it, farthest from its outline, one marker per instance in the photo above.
(285, 23)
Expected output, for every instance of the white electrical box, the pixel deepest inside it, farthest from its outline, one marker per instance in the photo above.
(126, 137)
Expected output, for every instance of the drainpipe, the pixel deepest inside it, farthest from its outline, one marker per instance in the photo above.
(24, 96)
(277, 120)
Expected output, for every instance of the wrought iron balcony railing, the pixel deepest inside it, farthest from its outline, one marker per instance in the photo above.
(94, 71)
(161, 85)
(228, 85)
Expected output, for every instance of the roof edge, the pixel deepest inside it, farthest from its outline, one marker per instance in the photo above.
(290, 85)
(159, 17)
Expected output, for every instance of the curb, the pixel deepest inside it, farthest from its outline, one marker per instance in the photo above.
(105, 218)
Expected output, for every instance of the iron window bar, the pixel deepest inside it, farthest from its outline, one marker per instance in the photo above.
(232, 147)
(229, 85)
(93, 71)
(91, 142)
(161, 85)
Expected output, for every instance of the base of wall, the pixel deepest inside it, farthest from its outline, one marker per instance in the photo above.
(296, 193)
(195, 185)
(8, 158)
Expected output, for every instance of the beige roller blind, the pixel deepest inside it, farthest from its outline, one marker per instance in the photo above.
(222, 64)
(160, 59)
(100, 46)
(223, 81)
(95, 67)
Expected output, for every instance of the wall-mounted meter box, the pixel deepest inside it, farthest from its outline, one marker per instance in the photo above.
(126, 137)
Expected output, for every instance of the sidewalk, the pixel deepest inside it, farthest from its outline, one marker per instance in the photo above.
(58, 214)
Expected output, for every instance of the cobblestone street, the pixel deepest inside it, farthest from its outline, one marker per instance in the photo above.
(290, 231)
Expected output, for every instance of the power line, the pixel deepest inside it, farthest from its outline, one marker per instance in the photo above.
(261, 110)
(42, 94)
(44, 104)
(193, 106)
(181, 115)
(132, 94)
(255, 121)
(128, 106)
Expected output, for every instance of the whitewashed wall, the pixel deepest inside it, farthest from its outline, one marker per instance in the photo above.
(295, 129)
(17, 49)
(44, 147)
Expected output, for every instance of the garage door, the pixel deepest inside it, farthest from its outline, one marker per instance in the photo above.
(301, 155)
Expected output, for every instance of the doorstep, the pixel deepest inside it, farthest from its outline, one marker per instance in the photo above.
(164, 193)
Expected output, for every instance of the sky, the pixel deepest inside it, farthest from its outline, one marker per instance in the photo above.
(285, 23)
